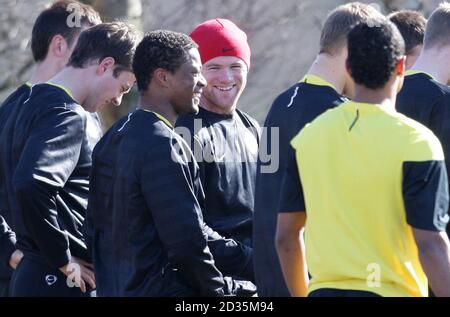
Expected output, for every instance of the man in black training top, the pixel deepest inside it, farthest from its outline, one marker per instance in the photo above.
(144, 217)
(224, 139)
(45, 161)
(425, 96)
(321, 89)
(52, 43)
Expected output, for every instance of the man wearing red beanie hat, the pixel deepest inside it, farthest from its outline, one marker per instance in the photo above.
(225, 140)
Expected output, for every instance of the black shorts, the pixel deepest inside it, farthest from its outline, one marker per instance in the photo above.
(331, 292)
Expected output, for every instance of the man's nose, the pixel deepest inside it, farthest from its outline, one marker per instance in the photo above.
(202, 82)
(117, 101)
(226, 75)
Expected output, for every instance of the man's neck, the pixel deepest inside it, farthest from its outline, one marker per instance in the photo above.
(206, 104)
(331, 69)
(161, 106)
(44, 71)
(383, 96)
(435, 63)
(73, 79)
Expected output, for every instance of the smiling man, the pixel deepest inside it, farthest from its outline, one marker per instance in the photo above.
(45, 160)
(224, 139)
(147, 228)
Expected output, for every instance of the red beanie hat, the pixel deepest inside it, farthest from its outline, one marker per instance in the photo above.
(221, 37)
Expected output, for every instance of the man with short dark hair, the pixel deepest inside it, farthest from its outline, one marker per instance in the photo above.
(368, 188)
(411, 25)
(45, 160)
(55, 35)
(149, 238)
(52, 43)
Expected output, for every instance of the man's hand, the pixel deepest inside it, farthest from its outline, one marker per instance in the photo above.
(434, 255)
(15, 259)
(79, 273)
(240, 288)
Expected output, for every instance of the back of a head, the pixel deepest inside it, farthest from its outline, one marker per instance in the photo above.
(160, 49)
(374, 52)
(66, 18)
(340, 21)
(117, 40)
(411, 25)
(437, 33)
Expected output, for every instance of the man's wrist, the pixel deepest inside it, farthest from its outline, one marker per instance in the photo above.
(15, 259)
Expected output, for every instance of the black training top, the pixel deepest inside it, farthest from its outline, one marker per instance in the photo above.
(45, 160)
(144, 203)
(7, 236)
(427, 101)
(290, 112)
(226, 148)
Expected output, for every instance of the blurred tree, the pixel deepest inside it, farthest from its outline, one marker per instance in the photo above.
(284, 37)
(16, 20)
(119, 10)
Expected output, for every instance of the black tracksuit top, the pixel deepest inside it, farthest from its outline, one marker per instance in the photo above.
(45, 160)
(7, 235)
(145, 215)
(226, 148)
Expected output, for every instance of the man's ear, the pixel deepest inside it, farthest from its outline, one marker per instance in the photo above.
(401, 66)
(105, 64)
(161, 77)
(58, 46)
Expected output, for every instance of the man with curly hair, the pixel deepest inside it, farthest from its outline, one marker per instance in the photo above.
(146, 199)
(368, 188)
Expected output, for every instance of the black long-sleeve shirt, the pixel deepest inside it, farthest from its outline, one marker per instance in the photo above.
(144, 215)
(226, 148)
(7, 235)
(424, 99)
(45, 160)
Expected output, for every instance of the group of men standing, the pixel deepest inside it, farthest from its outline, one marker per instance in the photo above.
(128, 218)
(365, 186)
(173, 199)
